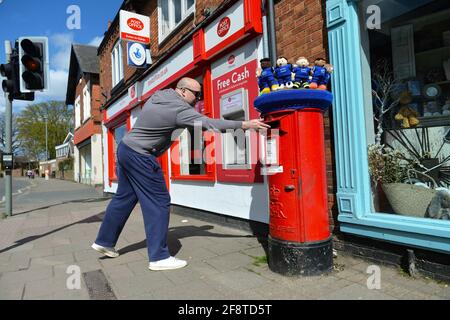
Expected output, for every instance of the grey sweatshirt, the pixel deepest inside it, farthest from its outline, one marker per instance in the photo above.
(161, 115)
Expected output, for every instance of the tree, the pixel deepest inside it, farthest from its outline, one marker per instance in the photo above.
(385, 85)
(15, 143)
(31, 125)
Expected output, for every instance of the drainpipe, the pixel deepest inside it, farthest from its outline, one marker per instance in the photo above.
(265, 38)
(272, 34)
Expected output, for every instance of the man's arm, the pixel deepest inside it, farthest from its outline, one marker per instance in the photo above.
(187, 117)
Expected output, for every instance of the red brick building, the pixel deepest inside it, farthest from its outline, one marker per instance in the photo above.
(83, 92)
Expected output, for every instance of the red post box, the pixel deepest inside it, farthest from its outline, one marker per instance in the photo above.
(300, 240)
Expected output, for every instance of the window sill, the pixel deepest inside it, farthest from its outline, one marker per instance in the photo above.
(192, 178)
(162, 40)
(117, 88)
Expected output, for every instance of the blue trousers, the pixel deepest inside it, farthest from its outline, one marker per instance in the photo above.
(140, 179)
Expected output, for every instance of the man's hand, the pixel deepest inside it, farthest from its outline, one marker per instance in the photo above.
(254, 124)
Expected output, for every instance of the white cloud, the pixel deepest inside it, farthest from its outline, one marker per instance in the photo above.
(57, 85)
(62, 42)
(96, 41)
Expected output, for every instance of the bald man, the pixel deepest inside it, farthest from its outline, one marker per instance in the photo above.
(139, 173)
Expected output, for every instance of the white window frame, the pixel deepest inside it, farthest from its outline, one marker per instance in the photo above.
(185, 13)
(116, 63)
(86, 102)
(77, 107)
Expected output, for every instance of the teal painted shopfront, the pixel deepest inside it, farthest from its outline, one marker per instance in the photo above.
(411, 40)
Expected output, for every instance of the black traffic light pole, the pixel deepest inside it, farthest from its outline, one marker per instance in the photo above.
(26, 70)
(33, 79)
(8, 138)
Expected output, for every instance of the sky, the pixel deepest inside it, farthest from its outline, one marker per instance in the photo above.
(54, 19)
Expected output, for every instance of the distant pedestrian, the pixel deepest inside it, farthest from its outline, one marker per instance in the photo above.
(140, 175)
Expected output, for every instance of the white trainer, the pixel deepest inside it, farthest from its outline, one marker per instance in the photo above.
(107, 251)
(170, 263)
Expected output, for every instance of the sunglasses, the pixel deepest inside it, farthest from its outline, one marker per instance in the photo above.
(197, 94)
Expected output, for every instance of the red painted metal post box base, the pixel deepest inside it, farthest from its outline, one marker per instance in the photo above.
(300, 238)
(304, 259)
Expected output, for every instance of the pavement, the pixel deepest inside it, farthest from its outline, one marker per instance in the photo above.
(45, 254)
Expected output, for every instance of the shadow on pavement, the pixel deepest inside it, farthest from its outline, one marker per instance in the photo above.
(61, 203)
(177, 233)
(95, 218)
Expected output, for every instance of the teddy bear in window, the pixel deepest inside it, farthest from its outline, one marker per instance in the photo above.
(406, 114)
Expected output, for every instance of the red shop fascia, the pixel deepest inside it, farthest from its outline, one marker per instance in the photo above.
(222, 53)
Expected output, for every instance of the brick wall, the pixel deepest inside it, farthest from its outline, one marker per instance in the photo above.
(105, 64)
(300, 29)
(93, 125)
(96, 99)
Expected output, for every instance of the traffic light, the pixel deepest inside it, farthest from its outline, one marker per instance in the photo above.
(11, 85)
(7, 71)
(33, 64)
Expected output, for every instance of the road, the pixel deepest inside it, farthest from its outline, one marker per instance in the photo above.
(45, 193)
(18, 183)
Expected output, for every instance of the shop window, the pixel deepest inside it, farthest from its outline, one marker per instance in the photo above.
(193, 151)
(77, 108)
(117, 134)
(171, 14)
(408, 107)
(85, 164)
(117, 63)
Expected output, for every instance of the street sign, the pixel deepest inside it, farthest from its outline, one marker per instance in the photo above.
(7, 160)
(134, 27)
(137, 56)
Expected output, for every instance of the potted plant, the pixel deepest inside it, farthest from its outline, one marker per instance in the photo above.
(389, 168)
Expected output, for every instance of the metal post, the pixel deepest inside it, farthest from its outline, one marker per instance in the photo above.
(8, 138)
(46, 140)
(272, 33)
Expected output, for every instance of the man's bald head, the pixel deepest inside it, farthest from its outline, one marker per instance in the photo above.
(189, 89)
(189, 83)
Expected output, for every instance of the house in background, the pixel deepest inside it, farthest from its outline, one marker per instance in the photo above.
(64, 158)
(83, 92)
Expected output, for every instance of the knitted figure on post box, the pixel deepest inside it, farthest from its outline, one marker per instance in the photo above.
(329, 70)
(266, 78)
(318, 73)
(302, 72)
(283, 73)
